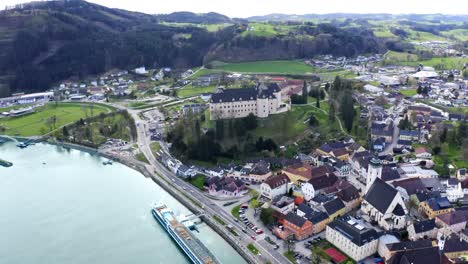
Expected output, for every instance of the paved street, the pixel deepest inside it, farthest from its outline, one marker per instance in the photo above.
(210, 207)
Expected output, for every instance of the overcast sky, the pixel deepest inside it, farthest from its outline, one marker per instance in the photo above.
(246, 8)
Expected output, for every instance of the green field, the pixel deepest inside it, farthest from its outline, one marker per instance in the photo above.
(189, 90)
(409, 92)
(460, 34)
(198, 181)
(40, 122)
(439, 63)
(235, 211)
(284, 67)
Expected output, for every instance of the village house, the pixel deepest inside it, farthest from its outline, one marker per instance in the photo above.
(334, 208)
(454, 247)
(275, 186)
(283, 204)
(392, 249)
(422, 153)
(261, 101)
(355, 238)
(295, 227)
(452, 222)
(435, 206)
(426, 229)
(225, 187)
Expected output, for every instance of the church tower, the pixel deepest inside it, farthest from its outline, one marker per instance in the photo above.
(374, 171)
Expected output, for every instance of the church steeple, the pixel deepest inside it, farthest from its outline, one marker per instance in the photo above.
(374, 171)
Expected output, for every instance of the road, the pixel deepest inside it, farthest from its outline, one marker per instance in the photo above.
(210, 207)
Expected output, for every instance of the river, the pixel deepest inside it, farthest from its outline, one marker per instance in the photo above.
(64, 206)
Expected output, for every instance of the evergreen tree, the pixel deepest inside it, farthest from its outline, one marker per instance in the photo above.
(347, 111)
(331, 112)
(304, 93)
(219, 129)
(317, 103)
(443, 135)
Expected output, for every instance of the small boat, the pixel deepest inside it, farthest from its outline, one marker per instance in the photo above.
(22, 145)
(108, 162)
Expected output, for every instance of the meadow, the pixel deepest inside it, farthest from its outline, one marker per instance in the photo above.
(42, 122)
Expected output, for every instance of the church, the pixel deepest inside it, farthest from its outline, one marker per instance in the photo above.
(382, 203)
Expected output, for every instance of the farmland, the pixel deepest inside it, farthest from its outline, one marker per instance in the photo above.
(279, 67)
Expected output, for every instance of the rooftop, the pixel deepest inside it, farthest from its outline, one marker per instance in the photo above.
(356, 231)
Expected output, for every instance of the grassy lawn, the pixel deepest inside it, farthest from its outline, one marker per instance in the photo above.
(155, 147)
(290, 256)
(454, 156)
(285, 67)
(6, 109)
(198, 181)
(252, 248)
(39, 122)
(285, 126)
(235, 211)
(191, 91)
(141, 157)
(408, 92)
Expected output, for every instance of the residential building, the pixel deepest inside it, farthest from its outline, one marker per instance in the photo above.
(435, 206)
(454, 194)
(225, 187)
(274, 186)
(334, 208)
(423, 153)
(261, 101)
(296, 226)
(355, 238)
(393, 248)
(283, 205)
(320, 220)
(426, 229)
(452, 222)
(454, 247)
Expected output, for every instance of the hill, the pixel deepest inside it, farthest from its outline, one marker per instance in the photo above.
(189, 17)
(43, 43)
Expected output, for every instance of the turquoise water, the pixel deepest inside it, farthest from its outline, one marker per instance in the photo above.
(73, 209)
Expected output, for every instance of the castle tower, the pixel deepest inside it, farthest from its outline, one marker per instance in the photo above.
(374, 171)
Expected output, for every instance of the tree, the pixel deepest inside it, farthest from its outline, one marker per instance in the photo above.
(65, 132)
(317, 103)
(331, 112)
(347, 111)
(381, 101)
(465, 73)
(443, 135)
(462, 132)
(250, 121)
(219, 129)
(305, 93)
(290, 192)
(313, 120)
(266, 215)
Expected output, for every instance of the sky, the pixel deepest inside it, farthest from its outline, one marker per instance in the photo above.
(246, 8)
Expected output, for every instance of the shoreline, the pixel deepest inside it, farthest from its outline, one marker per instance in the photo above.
(140, 167)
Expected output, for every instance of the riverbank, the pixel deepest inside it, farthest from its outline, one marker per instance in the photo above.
(183, 198)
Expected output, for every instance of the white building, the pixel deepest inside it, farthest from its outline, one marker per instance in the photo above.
(283, 205)
(355, 238)
(382, 203)
(308, 191)
(263, 100)
(141, 70)
(454, 194)
(275, 186)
